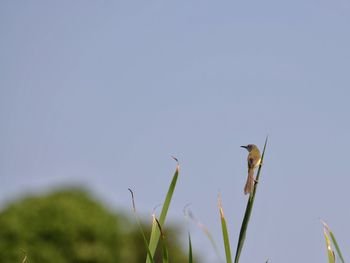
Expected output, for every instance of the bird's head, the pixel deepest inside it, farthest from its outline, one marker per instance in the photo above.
(250, 147)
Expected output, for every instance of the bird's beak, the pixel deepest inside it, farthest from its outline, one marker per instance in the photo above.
(244, 147)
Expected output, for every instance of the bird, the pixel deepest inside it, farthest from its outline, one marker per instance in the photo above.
(254, 160)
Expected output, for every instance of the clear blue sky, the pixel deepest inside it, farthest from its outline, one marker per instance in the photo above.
(102, 93)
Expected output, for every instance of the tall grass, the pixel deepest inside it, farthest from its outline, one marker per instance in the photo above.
(157, 226)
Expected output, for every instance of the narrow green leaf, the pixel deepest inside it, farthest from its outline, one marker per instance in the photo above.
(145, 242)
(225, 233)
(334, 241)
(190, 257)
(140, 227)
(187, 217)
(248, 211)
(155, 233)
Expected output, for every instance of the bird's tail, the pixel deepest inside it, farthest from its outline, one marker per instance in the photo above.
(249, 186)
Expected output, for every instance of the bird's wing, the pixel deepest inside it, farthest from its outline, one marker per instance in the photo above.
(252, 162)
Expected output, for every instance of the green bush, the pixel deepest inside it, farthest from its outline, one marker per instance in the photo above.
(69, 226)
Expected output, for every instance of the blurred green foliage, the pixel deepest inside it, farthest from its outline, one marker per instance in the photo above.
(70, 226)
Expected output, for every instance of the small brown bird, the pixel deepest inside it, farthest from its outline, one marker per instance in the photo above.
(254, 160)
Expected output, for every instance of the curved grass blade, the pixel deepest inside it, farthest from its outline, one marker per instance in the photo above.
(334, 241)
(140, 227)
(225, 232)
(155, 233)
(248, 211)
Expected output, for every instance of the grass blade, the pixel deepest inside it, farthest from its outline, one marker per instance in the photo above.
(187, 217)
(155, 234)
(225, 233)
(334, 241)
(248, 211)
(140, 227)
(190, 256)
(330, 253)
